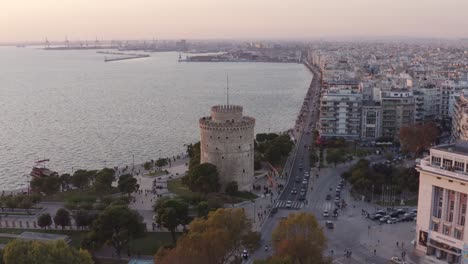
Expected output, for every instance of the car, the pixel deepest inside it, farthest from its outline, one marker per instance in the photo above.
(306, 174)
(300, 166)
(329, 197)
(384, 219)
(397, 260)
(380, 212)
(245, 255)
(392, 220)
(401, 211)
(274, 210)
(375, 217)
(325, 213)
(394, 214)
(298, 179)
(303, 192)
(338, 188)
(301, 197)
(288, 204)
(337, 199)
(329, 224)
(305, 182)
(294, 191)
(414, 211)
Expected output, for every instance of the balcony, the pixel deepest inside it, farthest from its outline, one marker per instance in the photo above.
(425, 165)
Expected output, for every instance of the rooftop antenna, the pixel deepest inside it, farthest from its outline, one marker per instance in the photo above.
(227, 88)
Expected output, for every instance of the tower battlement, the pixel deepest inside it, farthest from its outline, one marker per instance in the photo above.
(246, 122)
(223, 113)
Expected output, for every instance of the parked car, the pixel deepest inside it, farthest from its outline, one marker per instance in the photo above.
(329, 224)
(304, 182)
(394, 214)
(329, 197)
(303, 192)
(298, 179)
(325, 213)
(337, 199)
(375, 217)
(301, 197)
(245, 255)
(397, 260)
(401, 211)
(392, 220)
(384, 219)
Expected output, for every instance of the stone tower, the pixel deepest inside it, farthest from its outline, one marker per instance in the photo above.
(227, 141)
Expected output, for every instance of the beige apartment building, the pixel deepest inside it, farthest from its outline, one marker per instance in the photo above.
(443, 190)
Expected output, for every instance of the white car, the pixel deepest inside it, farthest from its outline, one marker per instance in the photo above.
(397, 260)
(288, 204)
(325, 213)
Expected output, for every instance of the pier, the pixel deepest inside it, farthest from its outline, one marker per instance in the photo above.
(127, 56)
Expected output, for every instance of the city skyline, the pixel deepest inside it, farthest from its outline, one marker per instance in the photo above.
(208, 19)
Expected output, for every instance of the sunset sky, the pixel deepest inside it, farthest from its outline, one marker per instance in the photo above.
(24, 20)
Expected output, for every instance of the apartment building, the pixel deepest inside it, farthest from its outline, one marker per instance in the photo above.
(397, 111)
(460, 118)
(427, 104)
(443, 190)
(340, 114)
(371, 120)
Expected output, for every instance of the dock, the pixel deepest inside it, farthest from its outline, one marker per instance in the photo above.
(126, 56)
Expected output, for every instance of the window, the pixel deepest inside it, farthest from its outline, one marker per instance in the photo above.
(447, 163)
(446, 230)
(436, 161)
(243, 170)
(435, 226)
(459, 166)
(452, 204)
(227, 137)
(239, 147)
(451, 217)
(458, 234)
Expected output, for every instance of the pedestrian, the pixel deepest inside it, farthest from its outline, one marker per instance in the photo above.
(397, 244)
(375, 252)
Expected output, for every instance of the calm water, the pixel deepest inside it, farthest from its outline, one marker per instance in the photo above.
(76, 110)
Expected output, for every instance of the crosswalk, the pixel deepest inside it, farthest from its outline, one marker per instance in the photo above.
(294, 204)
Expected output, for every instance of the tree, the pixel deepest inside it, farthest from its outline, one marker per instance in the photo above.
(44, 220)
(117, 226)
(203, 178)
(171, 213)
(335, 156)
(416, 138)
(62, 218)
(84, 218)
(148, 165)
(128, 184)
(48, 184)
(232, 188)
(37, 252)
(203, 209)
(216, 239)
(104, 179)
(65, 180)
(300, 238)
(80, 179)
(161, 162)
(251, 241)
(193, 151)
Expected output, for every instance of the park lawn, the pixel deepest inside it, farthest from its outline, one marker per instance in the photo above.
(64, 196)
(156, 173)
(149, 244)
(175, 186)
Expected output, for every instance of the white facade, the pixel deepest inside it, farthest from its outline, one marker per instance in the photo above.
(340, 114)
(443, 190)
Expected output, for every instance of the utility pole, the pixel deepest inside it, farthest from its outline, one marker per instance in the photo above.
(133, 167)
(372, 197)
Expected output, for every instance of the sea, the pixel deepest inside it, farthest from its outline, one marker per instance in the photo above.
(71, 107)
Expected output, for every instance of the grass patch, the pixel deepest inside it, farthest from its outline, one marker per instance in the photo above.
(70, 194)
(157, 173)
(175, 186)
(257, 173)
(150, 244)
(245, 195)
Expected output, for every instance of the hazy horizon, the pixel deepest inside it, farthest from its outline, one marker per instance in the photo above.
(30, 20)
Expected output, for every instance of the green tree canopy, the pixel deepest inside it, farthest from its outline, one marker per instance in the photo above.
(104, 179)
(193, 151)
(44, 220)
(37, 252)
(128, 184)
(171, 213)
(232, 188)
(48, 185)
(62, 218)
(117, 226)
(203, 178)
(81, 178)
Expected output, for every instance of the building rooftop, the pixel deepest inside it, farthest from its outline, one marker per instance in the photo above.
(459, 147)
